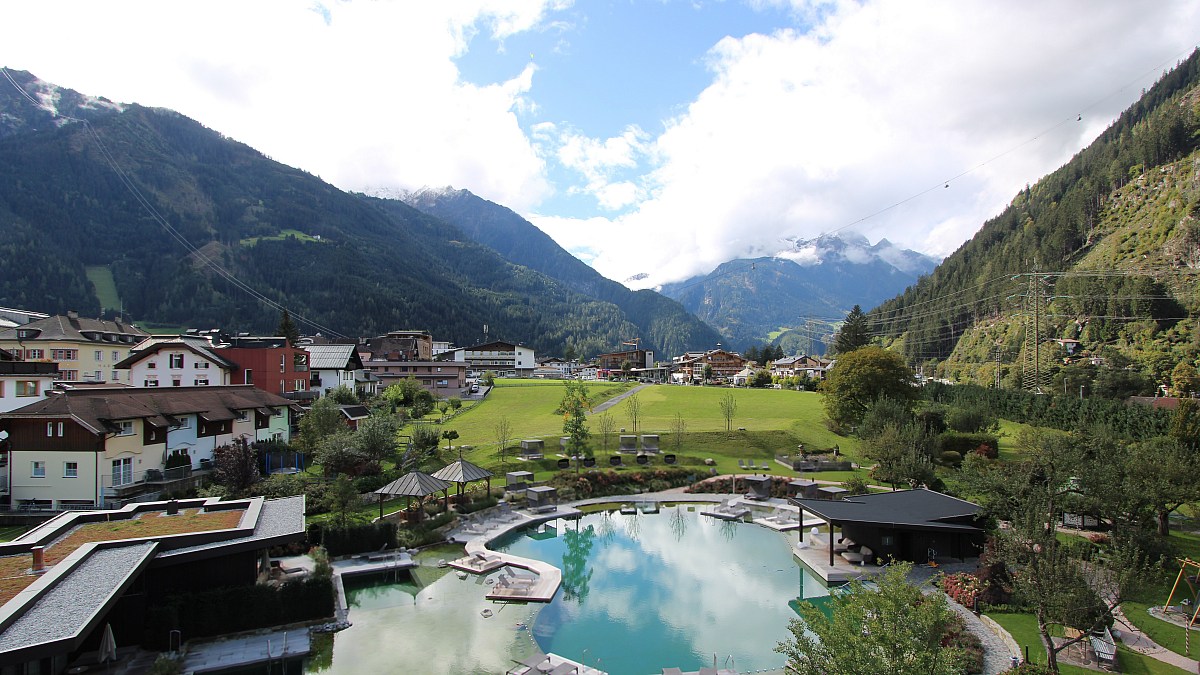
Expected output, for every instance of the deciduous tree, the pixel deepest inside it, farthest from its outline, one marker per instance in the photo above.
(889, 628)
(862, 377)
(728, 406)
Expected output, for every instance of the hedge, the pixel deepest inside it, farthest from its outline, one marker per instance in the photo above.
(230, 610)
(353, 538)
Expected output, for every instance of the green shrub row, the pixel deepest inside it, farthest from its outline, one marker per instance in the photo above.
(229, 610)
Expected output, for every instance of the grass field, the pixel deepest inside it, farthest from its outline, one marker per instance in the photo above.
(1023, 628)
(775, 422)
(250, 241)
(106, 289)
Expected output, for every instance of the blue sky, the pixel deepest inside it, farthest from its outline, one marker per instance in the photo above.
(646, 136)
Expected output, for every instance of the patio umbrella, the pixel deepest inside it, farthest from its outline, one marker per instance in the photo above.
(413, 484)
(461, 471)
(108, 646)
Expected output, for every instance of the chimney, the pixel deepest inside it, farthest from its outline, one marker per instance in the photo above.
(39, 559)
(172, 507)
(72, 314)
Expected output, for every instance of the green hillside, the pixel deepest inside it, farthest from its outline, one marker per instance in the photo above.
(1103, 251)
(199, 230)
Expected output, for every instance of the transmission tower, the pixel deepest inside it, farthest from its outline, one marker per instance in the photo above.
(1035, 376)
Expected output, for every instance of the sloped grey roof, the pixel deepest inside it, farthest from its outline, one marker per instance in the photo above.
(462, 471)
(71, 608)
(61, 327)
(332, 357)
(414, 484)
(919, 509)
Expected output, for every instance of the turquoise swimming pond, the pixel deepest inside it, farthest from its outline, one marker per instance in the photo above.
(639, 592)
(675, 588)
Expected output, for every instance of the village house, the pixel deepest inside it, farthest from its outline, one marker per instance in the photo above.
(24, 382)
(611, 363)
(84, 349)
(177, 361)
(502, 358)
(104, 447)
(339, 365)
(268, 363)
(689, 368)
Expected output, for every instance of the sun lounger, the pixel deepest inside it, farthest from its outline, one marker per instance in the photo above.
(529, 665)
(741, 464)
(672, 671)
(565, 669)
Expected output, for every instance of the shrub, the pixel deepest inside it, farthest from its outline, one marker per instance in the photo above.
(229, 610)
(950, 458)
(964, 443)
(354, 538)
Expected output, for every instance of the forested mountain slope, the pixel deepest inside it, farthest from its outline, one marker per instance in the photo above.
(126, 189)
(1112, 236)
(662, 322)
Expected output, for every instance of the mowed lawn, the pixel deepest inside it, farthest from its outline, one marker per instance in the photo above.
(775, 421)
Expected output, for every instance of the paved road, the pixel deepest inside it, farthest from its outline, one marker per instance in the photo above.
(617, 399)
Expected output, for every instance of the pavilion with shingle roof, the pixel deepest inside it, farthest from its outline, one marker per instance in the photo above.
(414, 484)
(461, 471)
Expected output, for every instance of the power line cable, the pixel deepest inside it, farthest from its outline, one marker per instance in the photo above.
(158, 218)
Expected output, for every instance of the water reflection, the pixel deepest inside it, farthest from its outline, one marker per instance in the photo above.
(678, 523)
(666, 590)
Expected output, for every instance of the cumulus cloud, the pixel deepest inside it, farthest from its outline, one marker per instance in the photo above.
(854, 114)
(864, 119)
(360, 93)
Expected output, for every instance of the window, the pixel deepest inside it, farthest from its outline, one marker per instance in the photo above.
(38, 470)
(24, 334)
(27, 388)
(241, 415)
(176, 360)
(68, 375)
(249, 377)
(122, 471)
(60, 429)
(200, 383)
(152, 365)
(125, 428)
(99, 375)
(99, 355)
(115, 376)
(282, 361)
(175, 382)
(299, 385)
(116, 356)
(64, 354)
(184, 423)
(70, 469)
(202, 364)
(49, 429)
(34, 354)
(150, 383)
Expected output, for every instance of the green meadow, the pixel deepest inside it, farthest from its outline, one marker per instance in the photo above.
(767, 422)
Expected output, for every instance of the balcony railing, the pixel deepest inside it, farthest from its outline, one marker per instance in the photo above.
(150, 479)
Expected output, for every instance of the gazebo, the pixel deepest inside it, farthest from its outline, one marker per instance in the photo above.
(461, 471)
(414, 484)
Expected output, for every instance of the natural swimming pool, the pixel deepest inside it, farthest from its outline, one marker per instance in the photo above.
(639, 592)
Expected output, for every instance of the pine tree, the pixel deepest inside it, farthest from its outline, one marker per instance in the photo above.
(853, 333)
(287, 328)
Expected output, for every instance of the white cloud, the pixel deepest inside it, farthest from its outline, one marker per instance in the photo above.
(854, 116)
(801, 134)
(364, 94)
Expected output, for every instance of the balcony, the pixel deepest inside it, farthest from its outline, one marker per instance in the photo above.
(178, 479)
